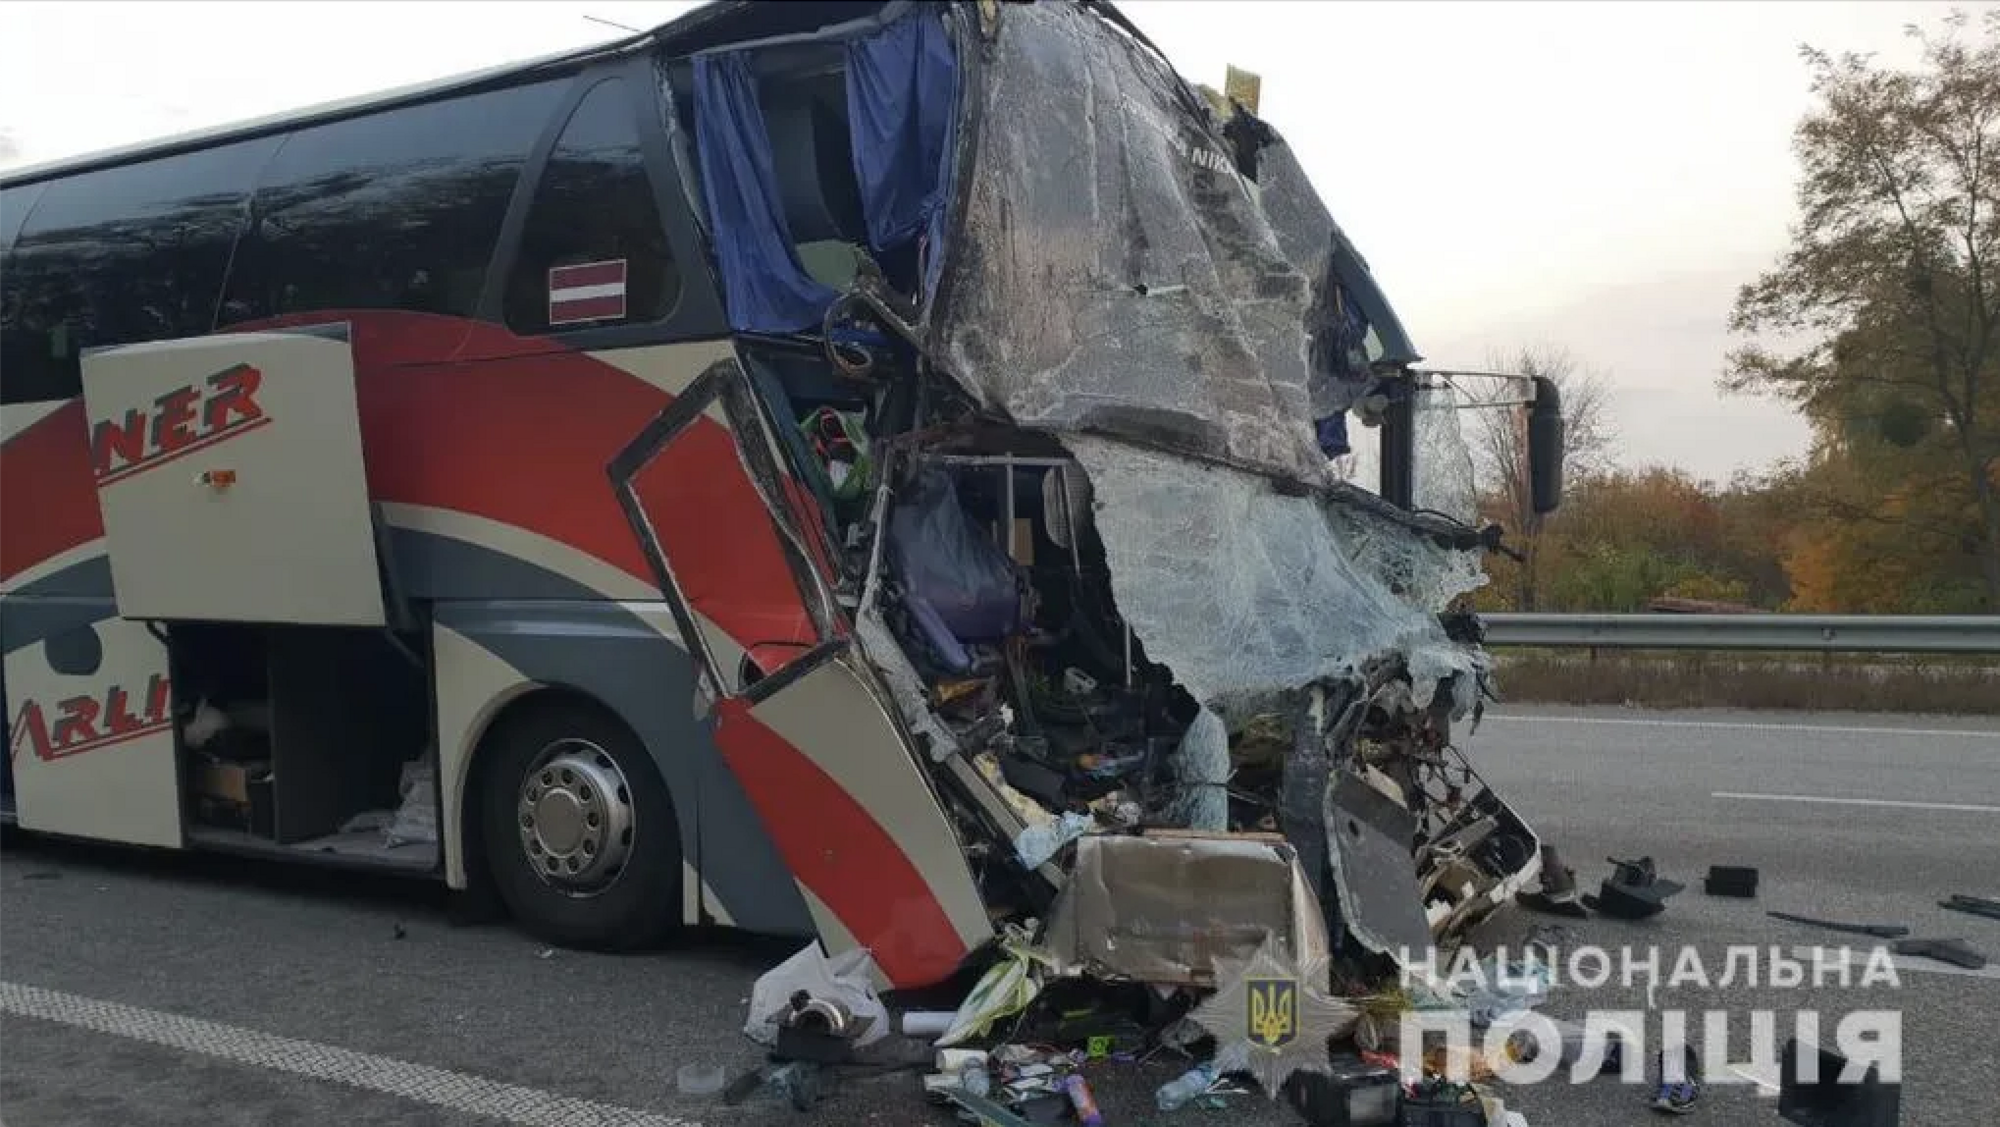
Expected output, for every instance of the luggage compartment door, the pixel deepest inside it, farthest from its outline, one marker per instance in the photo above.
(230, 475)
(90, 726)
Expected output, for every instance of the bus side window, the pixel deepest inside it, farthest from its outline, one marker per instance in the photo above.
(120, 255)
(593, 250)
(398, 209)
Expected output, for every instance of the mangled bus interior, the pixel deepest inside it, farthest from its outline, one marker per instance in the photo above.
(1064, 353)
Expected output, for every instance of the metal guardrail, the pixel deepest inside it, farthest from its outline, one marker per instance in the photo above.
(1821, 633)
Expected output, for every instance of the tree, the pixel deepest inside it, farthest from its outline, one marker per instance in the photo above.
(1890, 286)
(1500, 451)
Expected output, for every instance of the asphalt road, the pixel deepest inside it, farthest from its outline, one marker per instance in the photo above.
(153, 989)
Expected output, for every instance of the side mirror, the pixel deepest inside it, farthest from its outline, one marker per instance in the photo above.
(1545, 446)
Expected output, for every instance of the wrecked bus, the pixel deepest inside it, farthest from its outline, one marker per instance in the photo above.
(842, 469)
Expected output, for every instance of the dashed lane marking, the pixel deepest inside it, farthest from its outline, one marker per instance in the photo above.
(438, 1087)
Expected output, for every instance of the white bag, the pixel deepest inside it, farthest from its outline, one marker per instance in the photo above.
(847, 978)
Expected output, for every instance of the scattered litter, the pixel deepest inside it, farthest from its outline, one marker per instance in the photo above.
(1525, 1044)
(1044, 839)
(1633, 891)
(1831, 1098)
(1183, 1089)
(1879, 931)
(1353, 1093)
(810, 989)
(1547, 941)
(699, 1079)
(1731, 880)
(985, 1111)
(415, 822)
(925, 1024)
(1557, 895)
(1435, 1102)
(546, 953)
(1005, 989)
(1508, 991)
(1081, 1100)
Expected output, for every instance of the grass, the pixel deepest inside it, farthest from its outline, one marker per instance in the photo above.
(1853, 683)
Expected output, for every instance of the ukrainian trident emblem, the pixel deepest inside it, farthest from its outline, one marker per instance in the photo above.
(1273, 1012)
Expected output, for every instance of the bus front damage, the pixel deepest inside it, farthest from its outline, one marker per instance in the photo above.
(1162, 294)
(1178, 686)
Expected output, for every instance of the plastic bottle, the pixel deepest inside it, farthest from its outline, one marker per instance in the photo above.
(973, 1078)
(1176, 1094)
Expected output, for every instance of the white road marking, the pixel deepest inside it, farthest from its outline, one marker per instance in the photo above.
(1748, 726)
(439, 1087)
(1962, 807)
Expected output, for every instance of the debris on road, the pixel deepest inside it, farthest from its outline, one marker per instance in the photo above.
(1954, 951)
(699, 1079)
(1633, 891)
(1973, 905)
(812, 992)
(1879, 931)
(1557, 894)
(1819, 1092)
(1731, 880)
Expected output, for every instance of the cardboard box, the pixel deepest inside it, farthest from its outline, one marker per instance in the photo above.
(235, 795)
(1163, 908)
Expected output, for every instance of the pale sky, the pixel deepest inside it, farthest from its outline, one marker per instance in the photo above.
(1596, 176)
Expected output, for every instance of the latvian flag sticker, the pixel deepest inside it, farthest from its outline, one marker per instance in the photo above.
(590, 291)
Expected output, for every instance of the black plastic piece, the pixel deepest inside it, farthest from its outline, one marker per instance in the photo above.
(1954, 951)
(1634, 891)
(1972, 905)
(1879, 931)
(1731, 880)
(1826, 1101)
(1331, 1100)
(1415, 1114)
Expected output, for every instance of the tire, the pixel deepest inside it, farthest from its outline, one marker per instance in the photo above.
(544, 773)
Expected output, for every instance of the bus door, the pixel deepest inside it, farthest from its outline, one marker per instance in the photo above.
(836, 784)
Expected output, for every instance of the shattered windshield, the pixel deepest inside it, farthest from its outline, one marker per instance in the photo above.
(1164, 295)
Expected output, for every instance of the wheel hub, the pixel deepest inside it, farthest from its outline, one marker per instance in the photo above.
(576, 817)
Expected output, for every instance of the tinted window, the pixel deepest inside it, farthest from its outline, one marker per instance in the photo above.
(396, 210)
(15, 204)
(593, 252)
(118, 256)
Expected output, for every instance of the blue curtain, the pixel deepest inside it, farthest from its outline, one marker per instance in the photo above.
(763, 282)
(902, 87)
(1332, 434)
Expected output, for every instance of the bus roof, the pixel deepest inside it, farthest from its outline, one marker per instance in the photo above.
(684, 28)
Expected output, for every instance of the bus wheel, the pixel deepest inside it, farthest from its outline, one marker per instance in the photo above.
(579, 830)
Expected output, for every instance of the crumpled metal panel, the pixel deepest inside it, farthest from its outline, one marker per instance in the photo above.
(1370, 838)
(1114, 272)
(1245, 592)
